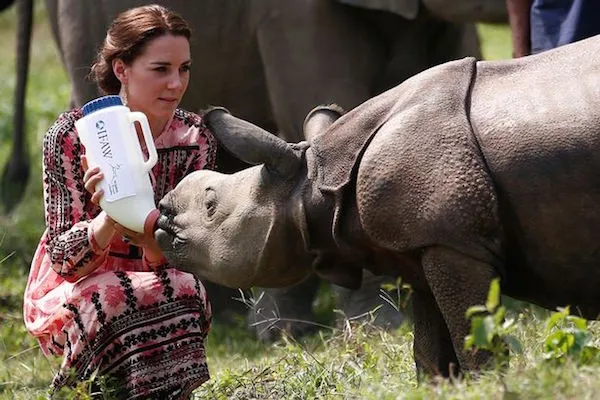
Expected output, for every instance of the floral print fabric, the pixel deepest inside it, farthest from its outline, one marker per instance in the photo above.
(143, 325)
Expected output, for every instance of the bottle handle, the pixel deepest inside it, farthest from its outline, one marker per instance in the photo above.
(143, 120)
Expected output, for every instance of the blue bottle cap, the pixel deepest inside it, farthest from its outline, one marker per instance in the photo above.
(100, 103)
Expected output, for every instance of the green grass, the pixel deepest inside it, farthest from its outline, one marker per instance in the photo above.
(358, 362)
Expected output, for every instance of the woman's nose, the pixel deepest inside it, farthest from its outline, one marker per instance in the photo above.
(175, 81)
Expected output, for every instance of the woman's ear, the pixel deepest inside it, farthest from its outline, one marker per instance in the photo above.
(120, 70)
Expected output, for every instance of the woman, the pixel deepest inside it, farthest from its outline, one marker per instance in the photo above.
(101, 296)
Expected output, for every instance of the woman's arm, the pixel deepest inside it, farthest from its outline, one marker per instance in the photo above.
(519, 12)
(78, 234)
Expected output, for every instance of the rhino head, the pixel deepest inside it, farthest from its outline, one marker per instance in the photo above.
(247, 228)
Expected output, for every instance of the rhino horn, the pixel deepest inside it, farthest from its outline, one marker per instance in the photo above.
(251, 144)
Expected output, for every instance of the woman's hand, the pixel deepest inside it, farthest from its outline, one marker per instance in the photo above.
(91, 178)
(103, 226)
(152, 251)
(106, 227)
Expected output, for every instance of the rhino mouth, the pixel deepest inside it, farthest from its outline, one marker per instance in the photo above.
(166, 233)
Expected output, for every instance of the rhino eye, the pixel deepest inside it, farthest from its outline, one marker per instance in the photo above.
(210, 202)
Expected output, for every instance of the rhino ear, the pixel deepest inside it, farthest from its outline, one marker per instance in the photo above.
(319, 119)
(252, 144)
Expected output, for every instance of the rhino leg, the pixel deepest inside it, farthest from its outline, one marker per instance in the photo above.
(80, 28)
(319, 51)
(369, 301)
(457, 282)
(284, 310)
(433, 350)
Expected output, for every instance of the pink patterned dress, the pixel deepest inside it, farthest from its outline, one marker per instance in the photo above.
(141, 324)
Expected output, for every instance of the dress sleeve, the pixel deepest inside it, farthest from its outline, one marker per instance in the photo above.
(68, 209)
(207, 148)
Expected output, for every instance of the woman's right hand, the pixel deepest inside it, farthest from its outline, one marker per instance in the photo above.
(91, 178)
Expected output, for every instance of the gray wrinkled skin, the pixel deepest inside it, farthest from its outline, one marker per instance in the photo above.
(466, 172)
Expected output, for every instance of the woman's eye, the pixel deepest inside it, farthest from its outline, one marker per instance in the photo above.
(160, 69)
(185, 68)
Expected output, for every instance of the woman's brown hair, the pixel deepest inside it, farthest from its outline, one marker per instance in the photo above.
(128, 35)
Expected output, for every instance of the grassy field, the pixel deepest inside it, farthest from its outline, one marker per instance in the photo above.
(356, 362)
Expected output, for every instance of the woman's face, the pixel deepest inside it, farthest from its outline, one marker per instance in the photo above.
(156, 80)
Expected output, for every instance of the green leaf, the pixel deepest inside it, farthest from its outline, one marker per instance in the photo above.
(580, 323)
(388, 287)
(474, 310)
(557, 318)
(490, 328)
(493, 295)
(570, 341)
(469, 342)
(479, 333)
(554, 340)
(499, 315)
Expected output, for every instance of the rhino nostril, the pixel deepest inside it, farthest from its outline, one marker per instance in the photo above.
(166, 219)
(166, 210)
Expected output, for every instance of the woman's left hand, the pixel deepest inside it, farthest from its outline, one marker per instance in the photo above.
(152, 251)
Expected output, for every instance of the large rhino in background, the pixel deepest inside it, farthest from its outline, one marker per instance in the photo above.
(466, 172)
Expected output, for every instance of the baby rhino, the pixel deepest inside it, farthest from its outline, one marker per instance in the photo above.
(464, 173)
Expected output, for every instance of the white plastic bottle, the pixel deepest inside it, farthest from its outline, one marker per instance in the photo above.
(111, 142)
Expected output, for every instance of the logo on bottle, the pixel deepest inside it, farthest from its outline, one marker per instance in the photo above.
(103, 139)
(106, 150)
